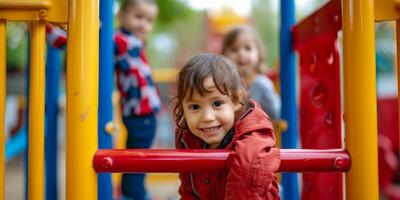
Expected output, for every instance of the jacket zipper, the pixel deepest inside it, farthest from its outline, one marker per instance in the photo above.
(191, 174)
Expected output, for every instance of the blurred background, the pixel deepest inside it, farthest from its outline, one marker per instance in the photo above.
(183, 28)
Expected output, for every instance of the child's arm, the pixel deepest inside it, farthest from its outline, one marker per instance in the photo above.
(56, 37)
(251, 168)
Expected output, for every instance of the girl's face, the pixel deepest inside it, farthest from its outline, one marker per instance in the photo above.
(139, 19)
(210, 116)
(244, 53)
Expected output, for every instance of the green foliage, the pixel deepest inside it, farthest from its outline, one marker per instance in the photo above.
(17, 45)
(266, 19)
(183, 41)
(266, 22)
(171, 11)
(171, 38)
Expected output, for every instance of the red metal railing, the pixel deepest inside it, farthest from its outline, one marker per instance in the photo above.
(163, 160)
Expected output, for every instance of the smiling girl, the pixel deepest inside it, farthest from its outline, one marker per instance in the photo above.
(213, 111)
(244, 47)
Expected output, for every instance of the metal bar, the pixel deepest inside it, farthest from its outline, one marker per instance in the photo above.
(386, 10)
(53, 73)
(162, 160)
(106, 72)
(34, 10)
(82, 98)
(13, 4)
(36, 112)
(27, 92)
(360, 109)
(288, 93)
(3, 75)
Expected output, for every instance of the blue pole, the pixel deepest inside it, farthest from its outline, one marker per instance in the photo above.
(27, 74)
(53, 64)
(288, 94)
(105, 90)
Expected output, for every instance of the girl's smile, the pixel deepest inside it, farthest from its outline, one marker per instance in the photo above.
(211, 131)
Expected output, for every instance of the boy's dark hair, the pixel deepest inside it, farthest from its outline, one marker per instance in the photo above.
(129, 3)
(232, 35)
(191, 78)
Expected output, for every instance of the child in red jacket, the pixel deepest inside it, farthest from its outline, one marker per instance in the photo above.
(213, 111)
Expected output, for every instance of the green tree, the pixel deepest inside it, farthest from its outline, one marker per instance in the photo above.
(266, 19)
(17, 45)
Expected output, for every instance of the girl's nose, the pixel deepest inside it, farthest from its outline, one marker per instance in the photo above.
(241, 54)
(208, 115)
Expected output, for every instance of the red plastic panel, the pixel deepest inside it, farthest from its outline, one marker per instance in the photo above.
(388, 119)
(326, 20)
(162, 160)
(320, 123)
(388, 146)
(315, 39)
(320, 112)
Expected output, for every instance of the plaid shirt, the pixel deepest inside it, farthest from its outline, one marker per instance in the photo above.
(139, 95)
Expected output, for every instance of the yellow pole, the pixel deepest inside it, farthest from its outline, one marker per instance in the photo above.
(82, 94)
(360, 112)
(36, 112)
(3, 42)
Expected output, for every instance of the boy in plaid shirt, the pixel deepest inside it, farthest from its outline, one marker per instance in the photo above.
(140, 100)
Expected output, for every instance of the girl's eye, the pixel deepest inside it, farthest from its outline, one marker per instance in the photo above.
(217, 103)
(194, 107)
(248, 48)
(150, 20)
(139, 16)
(233, 50)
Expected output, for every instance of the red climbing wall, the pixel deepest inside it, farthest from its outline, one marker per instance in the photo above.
(315, 40)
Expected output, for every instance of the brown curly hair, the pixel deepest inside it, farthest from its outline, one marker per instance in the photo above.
(191, 78)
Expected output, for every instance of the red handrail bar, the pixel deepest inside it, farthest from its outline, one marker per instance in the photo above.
(165, 160)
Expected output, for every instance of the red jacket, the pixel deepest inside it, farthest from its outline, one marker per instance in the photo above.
(250, 171)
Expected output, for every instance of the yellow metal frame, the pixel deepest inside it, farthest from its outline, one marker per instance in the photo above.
(82, 98)
(3, 42)
(387, 10)
(36, 112)
(82, 90)
(34, 10)
(360, 109)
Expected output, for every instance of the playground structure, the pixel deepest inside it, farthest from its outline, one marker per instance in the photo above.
(84, 120)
